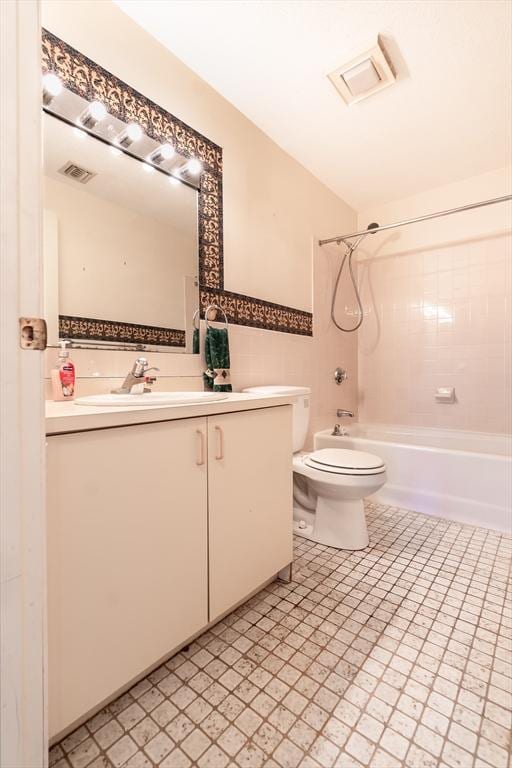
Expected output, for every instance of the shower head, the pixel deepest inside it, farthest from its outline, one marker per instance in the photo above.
(370, 230)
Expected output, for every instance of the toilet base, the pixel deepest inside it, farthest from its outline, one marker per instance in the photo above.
(335, 523)
(304, 532)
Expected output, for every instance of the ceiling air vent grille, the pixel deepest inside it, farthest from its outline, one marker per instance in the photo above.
(364, 75)
(76, 172)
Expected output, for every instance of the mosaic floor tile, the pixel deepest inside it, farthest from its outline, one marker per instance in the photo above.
(399, 655)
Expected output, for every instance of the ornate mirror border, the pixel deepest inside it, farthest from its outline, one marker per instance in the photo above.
(87, 79)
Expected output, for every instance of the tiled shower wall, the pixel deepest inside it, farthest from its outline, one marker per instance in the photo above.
(437, 299)
(257, 357)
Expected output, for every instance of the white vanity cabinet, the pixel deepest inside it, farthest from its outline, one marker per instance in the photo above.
(250, 502)
(127, 557)
(155, 530)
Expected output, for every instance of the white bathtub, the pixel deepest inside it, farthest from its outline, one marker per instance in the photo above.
(462, 476)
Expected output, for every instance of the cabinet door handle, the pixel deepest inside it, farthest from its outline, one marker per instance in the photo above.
(220, 453)
(200, 448)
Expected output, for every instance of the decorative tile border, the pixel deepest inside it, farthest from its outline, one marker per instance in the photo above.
(245, 310)
(87, 79)
(71, 327)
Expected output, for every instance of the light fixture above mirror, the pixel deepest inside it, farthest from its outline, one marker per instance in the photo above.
(93, 117)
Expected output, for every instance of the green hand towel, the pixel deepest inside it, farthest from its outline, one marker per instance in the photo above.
(216, 352)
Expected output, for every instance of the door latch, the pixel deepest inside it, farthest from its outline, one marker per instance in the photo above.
(33, 333)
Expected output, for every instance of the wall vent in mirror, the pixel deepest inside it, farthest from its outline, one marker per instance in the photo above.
(74, 171)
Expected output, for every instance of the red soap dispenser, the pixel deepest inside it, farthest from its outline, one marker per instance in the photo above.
(63, 375)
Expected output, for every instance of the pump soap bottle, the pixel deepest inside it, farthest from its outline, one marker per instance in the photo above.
(63, 375)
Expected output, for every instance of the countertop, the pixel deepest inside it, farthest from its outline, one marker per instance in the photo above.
(68, 417)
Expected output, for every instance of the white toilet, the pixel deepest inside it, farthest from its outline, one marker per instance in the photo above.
(329, 485)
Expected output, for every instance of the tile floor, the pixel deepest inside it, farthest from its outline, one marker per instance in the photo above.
(398, 655)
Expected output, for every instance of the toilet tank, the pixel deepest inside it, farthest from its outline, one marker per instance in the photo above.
(300, 408)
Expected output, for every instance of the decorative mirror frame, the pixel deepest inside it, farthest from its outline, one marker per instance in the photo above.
(89, 80)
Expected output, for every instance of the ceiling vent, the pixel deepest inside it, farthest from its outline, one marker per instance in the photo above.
(363, 75)
(76, 172)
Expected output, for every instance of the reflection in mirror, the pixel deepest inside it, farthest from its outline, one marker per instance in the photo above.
(120, 236)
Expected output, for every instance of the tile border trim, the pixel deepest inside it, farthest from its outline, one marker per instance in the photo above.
(258, 313)
(91, 329)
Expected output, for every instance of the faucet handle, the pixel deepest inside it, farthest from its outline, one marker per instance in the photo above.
(340, 375)
(139, 366)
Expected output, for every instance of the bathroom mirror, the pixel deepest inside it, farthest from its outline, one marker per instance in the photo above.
(120, 238)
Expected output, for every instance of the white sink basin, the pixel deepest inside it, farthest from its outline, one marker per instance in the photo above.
(152, 398)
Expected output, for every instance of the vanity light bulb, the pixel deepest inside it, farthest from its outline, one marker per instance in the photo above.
(52, 86)
(194, 166)
(130, 134)
(98, 110)
(134, 132)
(92, 115)
(165, 152)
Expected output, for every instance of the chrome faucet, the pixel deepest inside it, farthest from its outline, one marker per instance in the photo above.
(136, 379)
(340, 413)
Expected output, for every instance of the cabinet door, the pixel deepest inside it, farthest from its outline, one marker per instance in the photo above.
(249, 502)
(127, 556)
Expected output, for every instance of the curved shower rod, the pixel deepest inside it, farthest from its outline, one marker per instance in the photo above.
(437, 215)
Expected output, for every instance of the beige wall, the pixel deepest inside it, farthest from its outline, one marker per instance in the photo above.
(437, 298)
(274, 211)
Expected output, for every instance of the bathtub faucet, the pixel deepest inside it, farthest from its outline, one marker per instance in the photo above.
(340, 413)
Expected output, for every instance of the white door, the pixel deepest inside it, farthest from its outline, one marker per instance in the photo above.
(127, 556)
(22, 577)
(249, 502)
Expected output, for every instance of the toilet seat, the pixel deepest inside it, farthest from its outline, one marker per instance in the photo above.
(341, 461)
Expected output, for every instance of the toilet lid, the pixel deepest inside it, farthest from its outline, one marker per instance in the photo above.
(343, 461)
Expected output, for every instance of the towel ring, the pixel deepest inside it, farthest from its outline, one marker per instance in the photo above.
(194, 318)
(219, 309)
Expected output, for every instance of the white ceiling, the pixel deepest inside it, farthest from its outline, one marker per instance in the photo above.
(446, 118)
